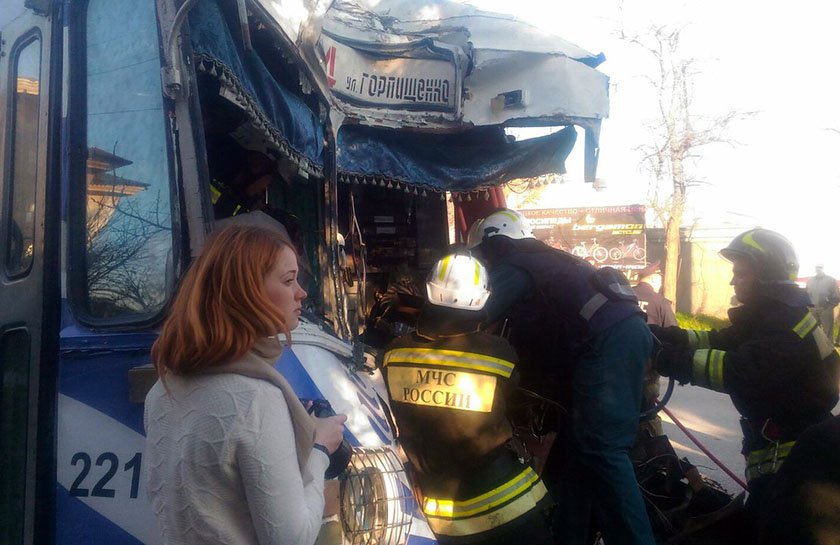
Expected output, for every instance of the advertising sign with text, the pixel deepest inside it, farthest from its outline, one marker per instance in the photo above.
(602, 235)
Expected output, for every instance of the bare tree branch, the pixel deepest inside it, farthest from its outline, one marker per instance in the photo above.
(676, 136)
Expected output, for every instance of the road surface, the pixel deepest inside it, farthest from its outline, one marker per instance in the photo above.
(712, 419)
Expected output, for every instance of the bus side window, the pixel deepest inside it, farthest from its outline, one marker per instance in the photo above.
(22, 185)
(128, 236)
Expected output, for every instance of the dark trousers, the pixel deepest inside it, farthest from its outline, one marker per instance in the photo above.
(607, 392)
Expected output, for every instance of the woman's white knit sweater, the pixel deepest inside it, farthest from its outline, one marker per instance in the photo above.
(222, 467)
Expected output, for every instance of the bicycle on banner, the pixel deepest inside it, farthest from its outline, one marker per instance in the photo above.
(594, 250)
(632, 250)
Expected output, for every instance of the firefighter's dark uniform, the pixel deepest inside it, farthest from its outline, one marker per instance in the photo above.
(584, 343)
(448, 384)
(808, 482)
(778, 367)
(555, 303)
(229, 200)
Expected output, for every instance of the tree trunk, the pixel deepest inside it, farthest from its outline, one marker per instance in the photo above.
(677, 137)
(672, 255)
(672, 228)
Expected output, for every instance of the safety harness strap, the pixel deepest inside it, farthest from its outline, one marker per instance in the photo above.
(591, 307)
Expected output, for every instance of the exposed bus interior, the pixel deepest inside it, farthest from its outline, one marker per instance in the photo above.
(391, 236)
(250, 173)
(246, 174)
(396, 236)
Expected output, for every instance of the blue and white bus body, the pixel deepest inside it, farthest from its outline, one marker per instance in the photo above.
(100, 497)
(104, 200)
(74, 380)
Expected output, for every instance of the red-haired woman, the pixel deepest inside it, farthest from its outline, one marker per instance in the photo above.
(232, 455)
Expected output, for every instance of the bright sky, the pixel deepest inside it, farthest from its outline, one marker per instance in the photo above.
(765, 57)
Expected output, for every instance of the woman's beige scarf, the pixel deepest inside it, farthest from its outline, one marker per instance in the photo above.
(259, 363)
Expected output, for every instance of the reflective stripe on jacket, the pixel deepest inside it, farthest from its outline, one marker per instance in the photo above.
(508, 501)
(780, 370)
(449, 400)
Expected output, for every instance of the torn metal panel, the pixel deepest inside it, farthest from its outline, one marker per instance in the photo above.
(485, 30)
(438, 67)
(294, 16)
(368, 52)
(552, 86)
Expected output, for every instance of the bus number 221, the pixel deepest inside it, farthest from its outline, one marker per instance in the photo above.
(112, 462)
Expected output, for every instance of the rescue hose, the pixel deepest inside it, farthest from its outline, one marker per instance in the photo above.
(659, 404)
(706, 451)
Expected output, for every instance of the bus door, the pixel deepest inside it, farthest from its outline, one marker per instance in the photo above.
(26, 352)
(121, 222)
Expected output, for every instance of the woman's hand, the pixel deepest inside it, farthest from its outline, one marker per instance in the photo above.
(329, 431)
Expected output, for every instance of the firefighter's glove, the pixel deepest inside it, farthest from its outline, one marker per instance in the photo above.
(670, 336)
(674, 362)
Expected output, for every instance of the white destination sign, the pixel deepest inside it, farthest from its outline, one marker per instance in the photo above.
(399, 83)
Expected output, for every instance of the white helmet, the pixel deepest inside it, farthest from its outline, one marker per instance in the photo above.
(458, 281)
(506, 222)
(475, 234)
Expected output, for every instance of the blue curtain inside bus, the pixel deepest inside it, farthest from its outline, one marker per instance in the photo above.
(464, 161)
(449, 162)
(284, 118)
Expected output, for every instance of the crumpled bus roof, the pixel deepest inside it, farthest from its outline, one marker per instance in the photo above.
(415, 81)
(488, 54)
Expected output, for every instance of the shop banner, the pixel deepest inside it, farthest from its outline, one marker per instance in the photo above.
(602, 235)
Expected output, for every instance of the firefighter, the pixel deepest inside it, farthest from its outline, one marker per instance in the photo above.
(448, 383)
(803, 502)
(244, 191)
(584, 343)
(775, 362)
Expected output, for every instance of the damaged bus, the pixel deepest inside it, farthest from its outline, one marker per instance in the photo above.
(130, 129)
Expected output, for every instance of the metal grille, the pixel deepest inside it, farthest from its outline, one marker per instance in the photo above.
(376, 500)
